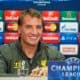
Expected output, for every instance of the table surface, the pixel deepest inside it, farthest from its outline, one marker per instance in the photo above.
(23, 78)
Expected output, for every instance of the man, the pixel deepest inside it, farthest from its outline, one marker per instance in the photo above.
(27, 54)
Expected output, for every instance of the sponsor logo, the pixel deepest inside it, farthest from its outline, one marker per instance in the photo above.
(11, 26)
(1, 26)
(1, 38)
(50, 38)
(1, 15)
(11, 15)
(79, 16)
(79, 38)
(43, 62)
(69, 49)
(69, 38)
(70, 27)
(69, 16)
(53, 27)
(20, 67)
(51, 15)
(10, 37)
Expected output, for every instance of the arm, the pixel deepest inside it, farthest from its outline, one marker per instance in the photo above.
(54, 54)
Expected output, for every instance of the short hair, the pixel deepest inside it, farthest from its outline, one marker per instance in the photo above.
(31, 12)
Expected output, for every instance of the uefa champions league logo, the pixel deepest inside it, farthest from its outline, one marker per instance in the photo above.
(65, 70)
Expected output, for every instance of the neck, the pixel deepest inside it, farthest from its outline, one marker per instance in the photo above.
(29, 50)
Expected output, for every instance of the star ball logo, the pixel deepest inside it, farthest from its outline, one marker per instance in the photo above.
(72, 60)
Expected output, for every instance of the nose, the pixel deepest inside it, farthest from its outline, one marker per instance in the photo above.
(34, 30)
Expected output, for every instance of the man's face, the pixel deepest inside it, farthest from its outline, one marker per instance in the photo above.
(31, 30)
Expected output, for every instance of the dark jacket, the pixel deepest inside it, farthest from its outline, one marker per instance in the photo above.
(12, 58)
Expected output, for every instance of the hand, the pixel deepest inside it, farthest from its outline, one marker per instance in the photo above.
(39, 71)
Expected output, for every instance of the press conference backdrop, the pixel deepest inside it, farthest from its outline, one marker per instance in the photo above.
(61, 22)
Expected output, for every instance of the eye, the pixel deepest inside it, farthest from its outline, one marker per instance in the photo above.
(28, 26)
(39, 26)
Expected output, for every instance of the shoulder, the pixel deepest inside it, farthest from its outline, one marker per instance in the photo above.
(53, 53)
(51, 49)
(7, 50)
(6, 47)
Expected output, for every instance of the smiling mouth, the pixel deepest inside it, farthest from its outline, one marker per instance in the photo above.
(33, 38)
